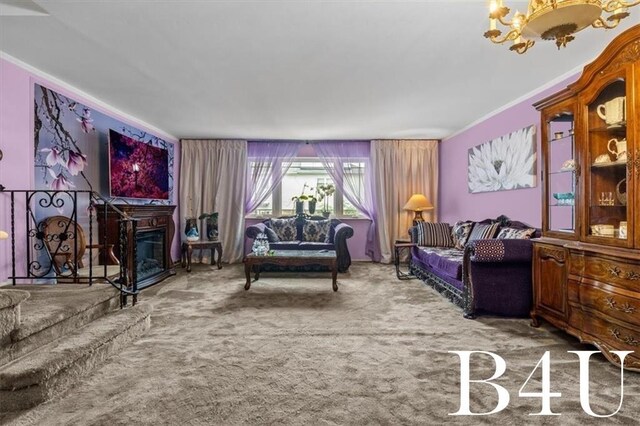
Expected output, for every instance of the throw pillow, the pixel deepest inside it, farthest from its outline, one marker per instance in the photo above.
(483, 231)
(432, 234)
(513, 233)
(272, 237)
(316, 230)
(285, 229)
(460, 233)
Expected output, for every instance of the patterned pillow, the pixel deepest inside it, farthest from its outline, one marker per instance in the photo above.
(285, 229)
(316, 230)
(432, 234)
(460, 233)
(513, 233)
(483, 231)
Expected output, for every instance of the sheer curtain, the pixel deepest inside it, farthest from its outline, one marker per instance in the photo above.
(212, 178)
(268, 163)
(336, 158)
(402, 168)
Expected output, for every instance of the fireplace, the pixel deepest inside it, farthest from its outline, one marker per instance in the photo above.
(150, 252)
(152, 240)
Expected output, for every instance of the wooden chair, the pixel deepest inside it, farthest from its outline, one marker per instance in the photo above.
(66, 243)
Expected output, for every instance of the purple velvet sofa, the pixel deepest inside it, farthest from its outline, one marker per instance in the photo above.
(491, 276)
(335, 239)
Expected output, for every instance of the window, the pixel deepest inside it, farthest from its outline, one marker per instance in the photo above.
(305, 175)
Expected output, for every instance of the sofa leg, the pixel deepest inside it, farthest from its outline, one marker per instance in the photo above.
(469, 315)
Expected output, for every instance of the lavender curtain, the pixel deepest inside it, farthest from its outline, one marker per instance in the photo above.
(334, 156)
(271, 160)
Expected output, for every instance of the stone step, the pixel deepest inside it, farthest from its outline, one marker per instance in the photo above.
(53, 368)
(53, 311)
(10, 311)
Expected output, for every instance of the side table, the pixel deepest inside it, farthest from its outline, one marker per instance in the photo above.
(398, 248)
(189, 246)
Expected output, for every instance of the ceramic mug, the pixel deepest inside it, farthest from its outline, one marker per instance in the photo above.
(613, 111)
(622, 233)
(620, 149)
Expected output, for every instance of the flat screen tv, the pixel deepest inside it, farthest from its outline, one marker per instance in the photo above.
(137, 169)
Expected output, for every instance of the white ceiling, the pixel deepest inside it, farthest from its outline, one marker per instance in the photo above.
(290, 69)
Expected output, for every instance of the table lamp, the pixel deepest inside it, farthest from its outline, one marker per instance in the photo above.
(418, 203)
(3, 235)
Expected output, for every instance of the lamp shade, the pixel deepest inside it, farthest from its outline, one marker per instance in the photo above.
(3, 235)
(418, 203)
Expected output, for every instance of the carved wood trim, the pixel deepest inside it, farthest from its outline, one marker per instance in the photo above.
(551, 253)
(627, 340)
(626, 307)
(629, 54)
(616, 272)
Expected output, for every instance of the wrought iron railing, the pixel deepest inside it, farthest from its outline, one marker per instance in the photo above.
(54, 239)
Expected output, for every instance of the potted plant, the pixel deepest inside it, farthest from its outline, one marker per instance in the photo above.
(211, 220)
(324, 192)
(300, 199)
(313, 201)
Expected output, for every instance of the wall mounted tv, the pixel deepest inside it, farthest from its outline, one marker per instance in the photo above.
(137, 169)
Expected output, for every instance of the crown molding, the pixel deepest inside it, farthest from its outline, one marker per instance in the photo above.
(526, 96)
(97, 103)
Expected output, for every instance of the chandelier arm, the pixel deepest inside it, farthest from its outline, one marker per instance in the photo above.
(508, 23)
(601, 23)
(511, 35)
(524, 46)
(612, 5)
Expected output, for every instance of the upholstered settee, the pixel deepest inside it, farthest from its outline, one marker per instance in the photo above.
(483, 267)
(314, 233)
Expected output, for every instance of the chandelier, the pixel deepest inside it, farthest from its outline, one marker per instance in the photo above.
(555, 20)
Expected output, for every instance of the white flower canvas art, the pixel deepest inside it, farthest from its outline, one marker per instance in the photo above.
(505, 163)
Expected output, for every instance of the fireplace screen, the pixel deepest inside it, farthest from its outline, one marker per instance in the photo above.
(150, 253)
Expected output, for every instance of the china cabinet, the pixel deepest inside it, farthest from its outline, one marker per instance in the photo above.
(586, 269)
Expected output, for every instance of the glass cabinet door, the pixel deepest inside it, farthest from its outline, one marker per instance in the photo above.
(607, 209)
(562, 172)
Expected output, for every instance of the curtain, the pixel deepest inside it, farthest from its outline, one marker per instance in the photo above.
(335, 156)
(212, 179)
(402, 168)
(268, 163)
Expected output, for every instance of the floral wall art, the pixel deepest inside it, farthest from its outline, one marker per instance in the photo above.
(505, 163)
(72, 148)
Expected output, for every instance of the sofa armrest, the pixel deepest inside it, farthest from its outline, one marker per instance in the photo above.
(411, 234)
(493, 250)
(253, 230)
(343, 232)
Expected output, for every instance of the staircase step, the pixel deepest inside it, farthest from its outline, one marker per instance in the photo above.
(10, 301)
(53, 368)
(55, 310)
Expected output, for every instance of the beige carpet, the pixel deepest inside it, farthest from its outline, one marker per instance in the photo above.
(291, 351)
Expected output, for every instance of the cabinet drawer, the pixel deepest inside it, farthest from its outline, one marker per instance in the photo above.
(615, 272)
(611, 336)
(624, 307)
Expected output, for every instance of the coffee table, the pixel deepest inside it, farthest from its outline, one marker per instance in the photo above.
(291, 258)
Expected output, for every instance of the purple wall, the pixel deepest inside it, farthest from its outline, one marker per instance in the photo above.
(456, 202)
(17, 144)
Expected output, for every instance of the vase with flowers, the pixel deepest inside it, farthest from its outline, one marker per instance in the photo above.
(300, 199)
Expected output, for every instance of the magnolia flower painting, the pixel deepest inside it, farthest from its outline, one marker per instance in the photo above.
(508, 162)
(72, 148)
